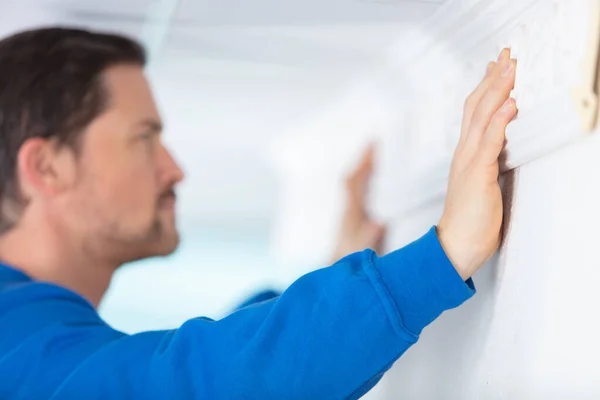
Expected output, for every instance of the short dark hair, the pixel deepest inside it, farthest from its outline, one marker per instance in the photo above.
(51, 87)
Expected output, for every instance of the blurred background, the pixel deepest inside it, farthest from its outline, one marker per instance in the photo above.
(234, 79)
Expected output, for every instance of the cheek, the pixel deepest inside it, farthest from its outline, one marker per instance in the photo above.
(120, 197)
(117, 184)
(133, 192)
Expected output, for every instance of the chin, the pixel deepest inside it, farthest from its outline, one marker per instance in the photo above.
(168, 245)
(161, 247)
(166, 240)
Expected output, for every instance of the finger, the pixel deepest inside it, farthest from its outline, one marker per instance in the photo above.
(495, 96)
(357, 182)
(478, 93)
(364, 167)
(490, 67)
(366, 163)
(495, 135)
(476, 96)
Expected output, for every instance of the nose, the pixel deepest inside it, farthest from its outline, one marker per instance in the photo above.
(170, 169)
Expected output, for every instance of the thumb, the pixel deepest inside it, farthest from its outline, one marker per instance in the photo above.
(375, 234)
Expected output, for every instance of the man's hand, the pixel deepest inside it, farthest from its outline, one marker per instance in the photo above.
(358, 231)
(470, 228)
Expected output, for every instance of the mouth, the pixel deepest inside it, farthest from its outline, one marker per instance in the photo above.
(167, 201)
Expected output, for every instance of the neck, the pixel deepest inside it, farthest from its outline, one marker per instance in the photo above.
(51, 256)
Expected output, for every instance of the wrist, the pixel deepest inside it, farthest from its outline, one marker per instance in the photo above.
(460, 257)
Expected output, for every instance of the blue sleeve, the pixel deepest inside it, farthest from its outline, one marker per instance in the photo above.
(331, 335)
(259, 298)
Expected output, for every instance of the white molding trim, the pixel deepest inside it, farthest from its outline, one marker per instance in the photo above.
(557, 74)
(542, 130)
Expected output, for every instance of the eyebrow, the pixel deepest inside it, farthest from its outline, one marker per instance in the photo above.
(152, 125)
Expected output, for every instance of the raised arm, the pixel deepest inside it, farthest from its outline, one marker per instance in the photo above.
(331, 335)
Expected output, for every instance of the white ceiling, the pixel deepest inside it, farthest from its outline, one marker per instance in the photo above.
(230, 75)
(255, 13)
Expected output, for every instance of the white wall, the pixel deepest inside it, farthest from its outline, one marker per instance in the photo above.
(543, 340)
(531, 332)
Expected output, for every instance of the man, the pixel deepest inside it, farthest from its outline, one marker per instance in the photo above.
(86, 186)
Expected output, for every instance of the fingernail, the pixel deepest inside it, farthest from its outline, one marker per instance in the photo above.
(490, 67)
(507, 69)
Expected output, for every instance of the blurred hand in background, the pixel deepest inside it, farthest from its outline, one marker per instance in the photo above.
(358, 231)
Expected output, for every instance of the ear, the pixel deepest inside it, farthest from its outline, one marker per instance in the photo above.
(45, 168)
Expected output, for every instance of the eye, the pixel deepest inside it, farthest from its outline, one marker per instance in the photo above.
(147, 141)
(147, 136)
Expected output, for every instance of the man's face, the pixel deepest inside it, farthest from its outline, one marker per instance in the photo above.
(123, 202)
